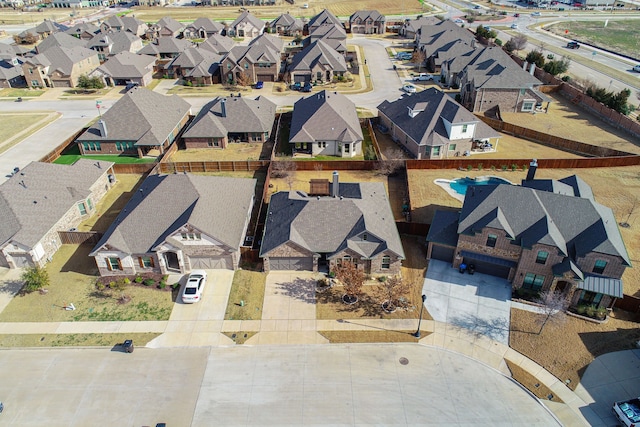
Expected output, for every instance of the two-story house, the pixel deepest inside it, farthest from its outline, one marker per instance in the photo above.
(59, 66)
(165, 27)
(124, 23)
(199, 66)
(317, 62)
(203, 28)
(246, 26)
(259, 61)
(165, 49)
(287, 25)
(124, 68)
(367, 22)
(110, 44)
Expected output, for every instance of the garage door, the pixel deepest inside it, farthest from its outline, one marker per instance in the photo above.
(208, 263)
(442, 253)
(61, 83)
(301, 78)
(266, 78)
(296, 264)
(488, 268)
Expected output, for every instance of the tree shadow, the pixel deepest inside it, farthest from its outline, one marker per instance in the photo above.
(494, 328)
(300, 289)
(11, 287)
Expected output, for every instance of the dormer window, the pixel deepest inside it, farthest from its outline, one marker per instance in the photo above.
(191, 236)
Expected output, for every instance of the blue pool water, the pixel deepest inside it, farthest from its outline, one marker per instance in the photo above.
(460, 185)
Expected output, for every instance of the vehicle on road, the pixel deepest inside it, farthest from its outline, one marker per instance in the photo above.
(573, 45)
(628, 412)
(636, 68)
(459, 21)
(409, 88)
(259, 85)
(194, 287)
(517, 15)
(422, 77)
(514, 26)
(535, 14)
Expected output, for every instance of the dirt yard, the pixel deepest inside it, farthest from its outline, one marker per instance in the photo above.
(233, 151)
(566, 347)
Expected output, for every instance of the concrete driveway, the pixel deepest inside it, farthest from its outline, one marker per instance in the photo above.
(478, 302)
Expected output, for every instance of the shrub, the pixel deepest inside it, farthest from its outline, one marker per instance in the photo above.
(590, 311)
(535, 57)
(162, 285)
(493, 168)
(112, 284)
(479, 166)
(165, 277)
(382, 279)
(175, 286)
(127, 281)
(503, 167)
(138, 279)
(469, 167)
(524, 168)
(149, 282)
(514, 167)
(581, 309)
(498, 42)
(34, 278)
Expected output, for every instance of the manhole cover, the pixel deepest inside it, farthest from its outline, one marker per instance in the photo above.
(404, 361)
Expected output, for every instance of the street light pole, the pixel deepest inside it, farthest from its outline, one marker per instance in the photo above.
(417, 334)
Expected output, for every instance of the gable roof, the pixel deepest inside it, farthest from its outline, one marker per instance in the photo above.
(140, 115)
(247, 17)
(207, 24)
(82, 27)
(9, 51)
(324, 17)
(165, 45)
(312, 115)
(534, 216)
(430, 109)
(413, 25)
(317, 53)
(291, 23)
(435, 37)
(236, 114)
(192, 57)
(363, 15)
(49, 26)
(456, 55)
(169, 23)
(35, 199)
(217, 44)
(126, 23)
(268, 40)
(127, 65)
(493, 68)
(120, 41)
(330, 224)
(253, 54)
(61, 40)
(8, 70)
(63, 59)
(215, 205)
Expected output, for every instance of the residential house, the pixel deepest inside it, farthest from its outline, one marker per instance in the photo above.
(493, 80)
(326, 124)
(59, 66)
(411, 27)
(124, 68)
(317, 62)
(367, 22)
(432, 125)
(451, 60)
(334, 223)
(76, 4)
(323, 18)
(83, 31)
(59, 39)
(195, 65)
(11, 73)
(246, 26)
(165, 49)
(9, 51)
(139, 122)
(236, 119)
(543, 235)
(43, 199)
(124, 23)
(433, 38)
(203, 226)
(259, 61)
(218, 44)
(165, 27)
(203, 28)
(110, 44)
(287, 25)
(333, 35)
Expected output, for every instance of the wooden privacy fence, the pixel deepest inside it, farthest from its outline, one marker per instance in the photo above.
(79, 237)
(56, 152)
(227, 166)
(138, 168)
(628, 303)
(488, 164)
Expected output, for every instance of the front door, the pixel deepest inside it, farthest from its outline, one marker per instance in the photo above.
(562, 287)
(171, 259)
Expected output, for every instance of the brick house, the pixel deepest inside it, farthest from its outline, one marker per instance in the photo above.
(198, 66)
(111, 44)
(259, 61)
(411, 27)
(246, 26)
(203, 28)
(165, 27)
(367, 22)
(137, 123)
(432, 125)
(542, 235)
(204, 226)
(165, 49)
(124, 23)
(11, 73)
(83, 31)
(336, 222)
(43, 199)
(287, 25)
(317, 62)
(124, 68)
(231, 120)
(59, 66)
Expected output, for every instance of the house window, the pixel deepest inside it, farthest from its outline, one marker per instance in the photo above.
(533, 281)
(365, 236)
(210, 144)
(386, 261)
(191, 236)
(452, 147)
(35, 83)
(30, 70)
(346, 148)
(114, 263)
(522, 91)
(464, 128)
(82, 208)
(146, 261)
(491, 240)
(90, 204)
(246, 66)
(599, 266)
(528, 105)
(346, 258)
(589, 298)
(435, 151)
(542, 257)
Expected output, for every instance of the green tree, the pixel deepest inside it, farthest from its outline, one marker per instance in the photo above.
(556, 67)
(85, 82)
(535, 57)
(34, 278)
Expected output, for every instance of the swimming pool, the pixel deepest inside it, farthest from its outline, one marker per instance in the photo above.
(460, 185)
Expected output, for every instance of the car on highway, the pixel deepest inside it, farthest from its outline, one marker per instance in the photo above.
(636, 68)
(409, 88)
(194, 287)
(573, 45)
(516, 15)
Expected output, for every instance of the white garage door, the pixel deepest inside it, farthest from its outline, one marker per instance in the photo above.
(208, 263)
(296, 264)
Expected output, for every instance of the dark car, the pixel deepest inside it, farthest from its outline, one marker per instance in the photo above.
(307, 87)
(296, 86)
(573, 45)
(517, 15)
(259, 85)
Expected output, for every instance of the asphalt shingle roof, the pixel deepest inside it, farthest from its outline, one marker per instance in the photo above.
(166, 45)
(207, 24)
(217, 44)
(140, 115)
(127, 65)
(120, 41)
(61, 40)
(318, 52)
(36, 198)
(63, 59)
(329, 225)
(125, 23)
(216, 206)
(287, 21)
(248, 18)
(325, 116)
(324, 17)
(492, 68)
(374, 15)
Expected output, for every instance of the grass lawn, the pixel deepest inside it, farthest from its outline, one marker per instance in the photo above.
(72, 273)
(16, 127)
(248, 286)
(233, 151)
(15, 92)
(73, 154)
(566, 348)
(86, 94)
(112, 203)
(70, 340)
(338, 337)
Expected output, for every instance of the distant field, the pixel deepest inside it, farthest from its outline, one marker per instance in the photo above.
(619, 36)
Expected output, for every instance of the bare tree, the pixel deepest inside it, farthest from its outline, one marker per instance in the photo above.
(519, 42)
(418, 58)
(351, 277)
(394, 288)
(282, 168)
(393, 162)
(244, 79)
(552, 306)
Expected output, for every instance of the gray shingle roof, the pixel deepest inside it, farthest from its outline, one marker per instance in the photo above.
(127, 65)
(430, 107)
(207, 24)
(82, 27)
(242, 115)
(169, 23)
(413, 25)
(166, 45)
(325, 116)
(218, 44)
(63, 59)
(249, 18)
(120, 41)
(374, 15)
(10, 71)
(192, 57)
(217, 206)
(287, 21)
(530, 216)
(316, 53)
(126, 23)
(140, 115)
(444, 228)
(253, 54)
(329, 225)
(492, 68)
(324, 17)
(8, 51)
(435, 37)
(33, 200)
(273, 42)
(59, 39)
